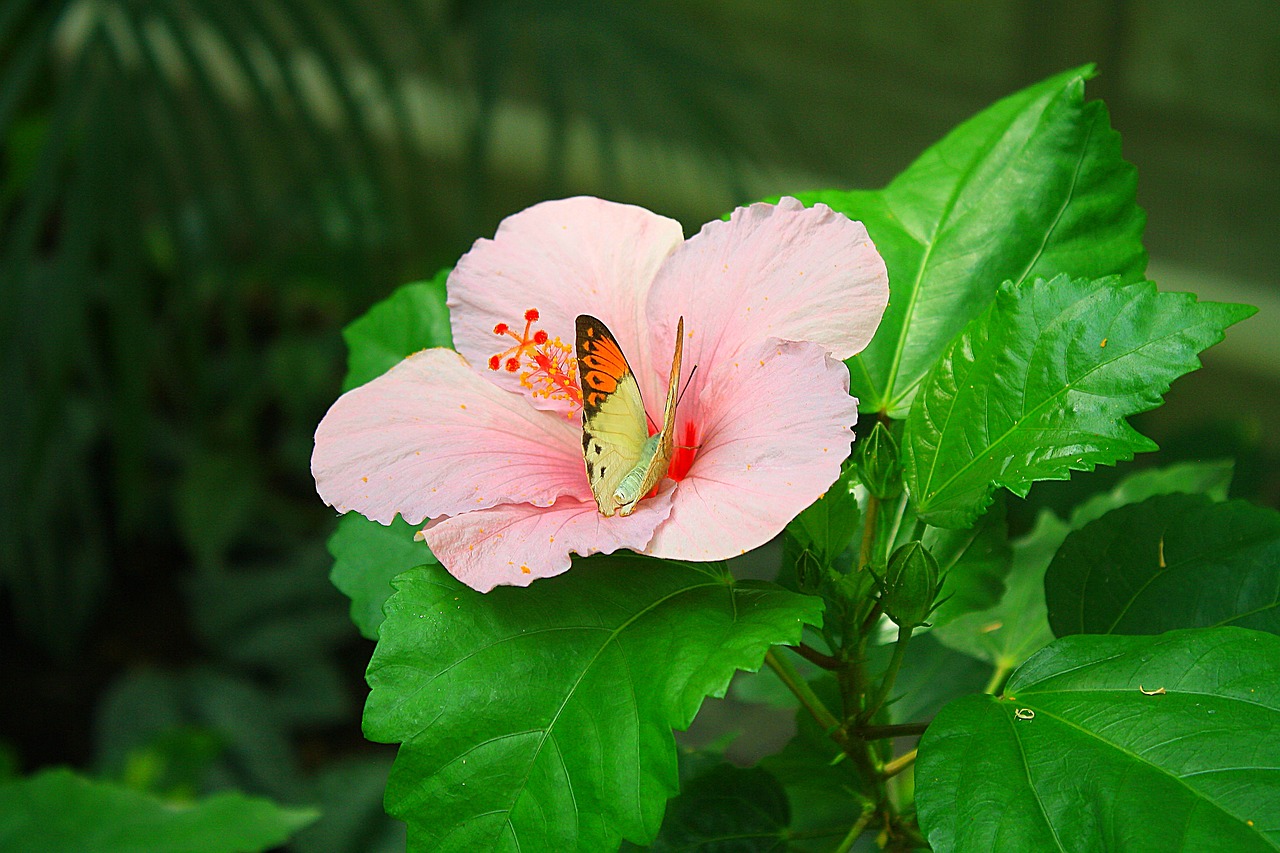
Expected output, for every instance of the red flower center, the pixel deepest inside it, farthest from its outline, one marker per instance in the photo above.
(686, 448)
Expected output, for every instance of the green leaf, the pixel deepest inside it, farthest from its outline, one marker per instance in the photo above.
(412, 318)
(1077, 756)
(1212, 478)
(540, 718)
(974, 563)
(56, 810)
(366, 557)
(1041, 383)
(931, 676)
(1172, 561)
(828, 525)
(1031, 187)
(1007, 633)
(726, 808)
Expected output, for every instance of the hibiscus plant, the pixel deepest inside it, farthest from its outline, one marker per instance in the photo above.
(863, 378)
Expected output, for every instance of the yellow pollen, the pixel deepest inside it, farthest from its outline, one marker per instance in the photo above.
(524, 569)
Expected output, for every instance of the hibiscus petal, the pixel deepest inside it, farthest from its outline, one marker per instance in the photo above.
(781, 271)
(564, 258)
(773, 429)
(518, 543)
(432, 437)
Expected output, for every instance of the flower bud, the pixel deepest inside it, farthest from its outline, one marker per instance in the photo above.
(879, 467)
(910, 585)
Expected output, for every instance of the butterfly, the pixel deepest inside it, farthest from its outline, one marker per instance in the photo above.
(623, 461)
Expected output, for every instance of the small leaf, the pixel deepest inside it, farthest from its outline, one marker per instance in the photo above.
(726, 807)
(412, 318)
(1039, 385)
(540, 718)
(1114, 743)
(366, 557)
(1033, 186)
(56, 811)
(1172, 561)
(1009, 632)
(974, 564)
(828, 525)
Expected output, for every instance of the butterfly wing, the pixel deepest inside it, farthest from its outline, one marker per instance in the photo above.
(661, 460)
(614, 425)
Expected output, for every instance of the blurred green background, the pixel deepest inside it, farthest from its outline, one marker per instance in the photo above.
(196, 196)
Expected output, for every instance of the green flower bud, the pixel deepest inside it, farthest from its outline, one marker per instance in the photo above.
(879, 467)
(910, 585)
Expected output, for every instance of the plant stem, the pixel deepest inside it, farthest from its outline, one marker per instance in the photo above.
(814, 656)
(846, 844)
(890, 675)
(797, 685)
(895, 730)
(902, 762)
(868, 532)
(997, 679)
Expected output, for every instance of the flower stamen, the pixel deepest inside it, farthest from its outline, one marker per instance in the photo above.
(549, 368)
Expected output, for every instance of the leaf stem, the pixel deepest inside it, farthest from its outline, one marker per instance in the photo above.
(902, 762)
(846, 844)
(814, 656)
(998, 676)
(803, 692)
(890, 675)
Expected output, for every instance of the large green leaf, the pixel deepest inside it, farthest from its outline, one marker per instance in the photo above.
(1172, 561)
(1031, 187)
(58, 811)
(1040, 385)
(540, 718)
(1008, 632)
(366, 556)
(1079, 755)
(1211, 478)
(412, 318)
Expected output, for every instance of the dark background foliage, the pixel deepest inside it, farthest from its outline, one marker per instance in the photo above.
(196, 196)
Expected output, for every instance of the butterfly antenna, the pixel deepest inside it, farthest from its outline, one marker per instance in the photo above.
(686, 384)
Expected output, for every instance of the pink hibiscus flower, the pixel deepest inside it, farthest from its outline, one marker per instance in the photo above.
(487, 441)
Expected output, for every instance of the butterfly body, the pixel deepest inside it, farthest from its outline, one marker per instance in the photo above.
(623, 461)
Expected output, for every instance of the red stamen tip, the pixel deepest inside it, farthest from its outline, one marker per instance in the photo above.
(542, 361)
(494, 362)
(531, 315)
(539, 337)
(513, 364)
(500, 329)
